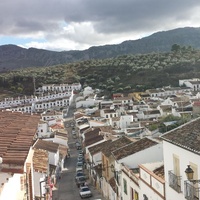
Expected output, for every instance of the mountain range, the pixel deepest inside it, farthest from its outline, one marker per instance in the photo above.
(14, 57)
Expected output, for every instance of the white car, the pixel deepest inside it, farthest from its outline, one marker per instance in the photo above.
(85, 192)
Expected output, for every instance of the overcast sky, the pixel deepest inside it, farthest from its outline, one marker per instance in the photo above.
(78, 24)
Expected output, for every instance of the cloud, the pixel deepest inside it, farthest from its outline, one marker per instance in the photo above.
(79, 24)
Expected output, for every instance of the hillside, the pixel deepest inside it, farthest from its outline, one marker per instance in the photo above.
(14, 57)
(126, 73)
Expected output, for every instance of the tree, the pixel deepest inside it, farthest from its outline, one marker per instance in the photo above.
(175, 47)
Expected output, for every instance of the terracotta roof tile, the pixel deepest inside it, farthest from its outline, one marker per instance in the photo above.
(186, 136)
(133, 147)
(97, 148)
(17, 131)
(40, 160)
(160, 172)
(46, 145)
(107, 150)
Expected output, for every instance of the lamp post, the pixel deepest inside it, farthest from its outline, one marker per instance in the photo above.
(189, 173)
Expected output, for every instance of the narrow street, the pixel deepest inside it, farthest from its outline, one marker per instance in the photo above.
(66, 188)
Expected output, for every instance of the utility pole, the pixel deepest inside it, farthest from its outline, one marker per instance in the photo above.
(33, 86)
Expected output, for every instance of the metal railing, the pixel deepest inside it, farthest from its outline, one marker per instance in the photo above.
(191, 191)
(174, 181)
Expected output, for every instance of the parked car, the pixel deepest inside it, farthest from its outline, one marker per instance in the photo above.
(80, 152)
(80, 181)
(85, 192)
(80, 159)
(80, 170)
(79, 173)
(78, 147)
(79, 166)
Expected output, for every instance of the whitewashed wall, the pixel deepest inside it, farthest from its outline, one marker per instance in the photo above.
(185, 157)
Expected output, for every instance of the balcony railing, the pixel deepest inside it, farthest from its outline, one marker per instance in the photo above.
(174, 181)
(191, 191)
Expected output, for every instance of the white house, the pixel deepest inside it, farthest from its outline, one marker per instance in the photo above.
(43, 130)
(181, 149)
(16, 162)
(149, 114)
(40, 172)
(87, 91)
(194, 83)
(152, 182)
(85, 103)
(125, 121)
(59, 87)
(130, 182)
(51, 147)
(142, 151)
(109, 113)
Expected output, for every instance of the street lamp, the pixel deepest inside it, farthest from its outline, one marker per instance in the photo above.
(190, 173)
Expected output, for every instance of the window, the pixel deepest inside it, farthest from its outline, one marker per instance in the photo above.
(145, 197)
(176, 165)
(125, 186)
(136, 196)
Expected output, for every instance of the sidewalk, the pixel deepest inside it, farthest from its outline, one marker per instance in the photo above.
(97, 195)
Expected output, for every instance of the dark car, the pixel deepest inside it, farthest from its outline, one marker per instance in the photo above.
(79, 173)
(78, 146)
(80, 181)
(81, 159)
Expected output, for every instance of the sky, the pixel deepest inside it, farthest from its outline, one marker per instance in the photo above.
(79, 24)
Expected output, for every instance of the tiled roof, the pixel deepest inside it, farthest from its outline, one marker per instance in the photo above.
(60, 134)
(186, 136)
(78, 115)
(151, 112)
(91, 132)
(46, 145)
(17, 131)
(109, 111)
(166, 108)
(57, 126)
(97, 148)
(115, 145)
(40, 160)
(92, 136)
(107, 129)
(160, 172)
(93, 140)
(122, 98)
(133, 147)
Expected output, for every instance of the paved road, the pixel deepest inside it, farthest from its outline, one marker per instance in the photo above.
(66, 187)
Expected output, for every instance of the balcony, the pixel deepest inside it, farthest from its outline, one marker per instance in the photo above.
(174, 181)
(191, 191)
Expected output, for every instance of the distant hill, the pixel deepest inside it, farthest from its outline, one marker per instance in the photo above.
(13, 57)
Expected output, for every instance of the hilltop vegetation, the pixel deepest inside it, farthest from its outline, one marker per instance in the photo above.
(126, 73)
(13, 57)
